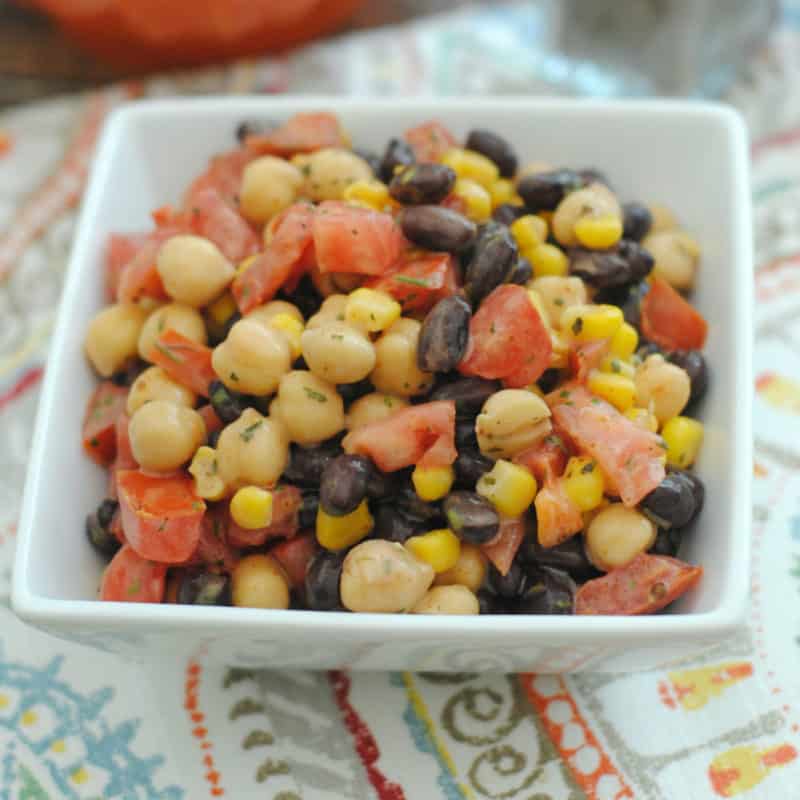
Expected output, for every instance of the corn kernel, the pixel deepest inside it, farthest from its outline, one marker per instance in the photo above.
(616, 389)
(528, 232)
(503, 191)
(477, 203)
(432, 483)
(471, 165)
(251, 508)
(625, 341)
(643, 418)
(584, 323)
(371, 310)
(292, 329)
(337, 533)
(509, 487)
(584, 483)
(617, 366)
(547, 259)
(683, 437)
(538, 304)
(440, 548)
(372, 194)
(205, 471)
(598, 233)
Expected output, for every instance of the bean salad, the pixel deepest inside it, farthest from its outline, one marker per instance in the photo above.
(430, 380)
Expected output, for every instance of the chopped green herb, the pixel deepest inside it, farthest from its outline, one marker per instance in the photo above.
(168, 353)
(587, 468)
(411, 281)
(577, 326)
(559, 301)
(388, 402)
(197, 505)
(134, 587)
(564, 394)
(234, 376)
(94, 442)
(247, 434)
(492, 328)
(313, 394)
(488, 480)
(615, 365)
(340, 317)
(339, 337)
(455, 519)
(387, 566)
(595, 401)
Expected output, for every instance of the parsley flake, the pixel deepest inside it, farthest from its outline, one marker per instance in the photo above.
(577, 326)
(313, 394)
(134, 587)
(247, 434)
(411, 281)
(168, 353)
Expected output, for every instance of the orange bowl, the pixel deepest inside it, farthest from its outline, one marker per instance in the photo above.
(148, 34)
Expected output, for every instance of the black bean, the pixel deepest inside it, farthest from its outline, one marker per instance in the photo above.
(471, 517)
(632, 305)
(668, 542)
(394, 525)
(129, 373)
(398, 154)
(371, 157)
(640, 260)
(414, 508)
(305, 297)
(694, 362)
(470, 466)
(548, 591)
(205, 589)
(253, 127)
(569, 556)
(97, 528)
(421, 184)
(466, 438)
(489, 603)
(343, 485)
(495, 254)
(543, 191)
(306, 464)
(590, 175)
(646, 349)
(549, 380)
(213, 438)
(507, 213)
(698, 487)
(512, 584)
(444, 334)
(323, 574)
(227, 404)
(352, 391)
(521, 272)
(309, 505)
(469, 394)
(437, 228)
(672, 502)
(607, 269)
(636, 221)
(495, 148)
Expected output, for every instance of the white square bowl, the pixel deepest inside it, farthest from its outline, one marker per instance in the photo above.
(691, 157)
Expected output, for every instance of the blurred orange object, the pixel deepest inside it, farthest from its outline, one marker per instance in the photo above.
(147, 34)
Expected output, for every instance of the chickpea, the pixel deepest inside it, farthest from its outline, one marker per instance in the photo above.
(396, 370)
(253, 450)
(373, 407)
(661, 387)
(331, 310)
(180, 318)
(112, 336)
(155, 384)
(469, 570)
(310, 408)
(269, 185)
(329, 283)
(381, 576)
(331, 170)
(596, 200)
(676, 257)
(253, 358)
(193, 270)
(164, 436)
(511, 420)
(663, 218)
(338, 352)
(258, 581)
(269, 311)
(558, 293)
(454, 599)
(616, 535)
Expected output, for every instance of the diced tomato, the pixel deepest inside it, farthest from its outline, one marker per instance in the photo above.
(212, 421)
(430, 140)
(120, 250)
(124, 453)
(503, 547)
(286, 501)
(161, 516)
(99, 433)
(272, 269)
(129, 578)
(419, 280)
(557, 517)
(213, 547)
(302, 133)
(183, 360)
(422, 434)
(586, 356)
(224, 175)
(214, 219)
(349, 238)
(507, 339)
(293, 555)
(115, 528)
(645, 585)
(546, 459)
(632, 459)
(669, 320)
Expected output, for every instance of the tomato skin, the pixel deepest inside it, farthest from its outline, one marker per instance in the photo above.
(430, 140)
(423, 434)
(632, 459)
(302, 133)
(224, 175)
(183, 360)
(286, 502)
(212, 422)
(120, 249)
(557, 517)
(161, 516)
(502, 549)
(353, 239)
(507, 339)
(213, 548)
(129, 578)
(669, 320)
(546, 460)
(212, 218)
(272, 269)
(644, 586)
(420, 280)
(586, 356)
(293, 555)
(99, 422)
(124, 454)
